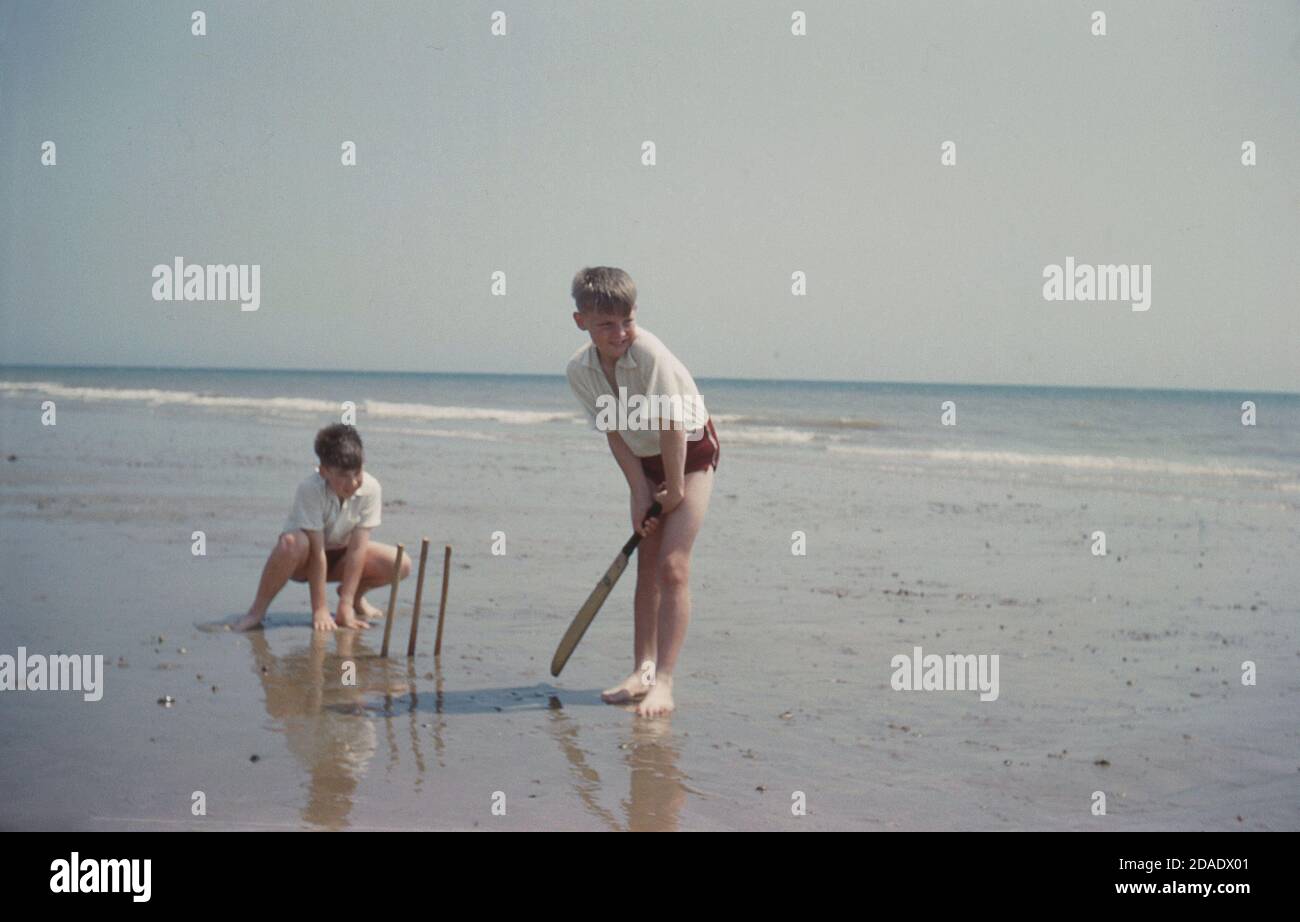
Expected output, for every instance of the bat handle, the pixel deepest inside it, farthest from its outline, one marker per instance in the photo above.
(632, 542)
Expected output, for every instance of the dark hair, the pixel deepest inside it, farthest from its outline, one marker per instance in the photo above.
(339, 446)
(604, 289)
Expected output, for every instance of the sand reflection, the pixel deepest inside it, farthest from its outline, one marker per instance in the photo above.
(329, 727)
(656, 791)
(309, 703)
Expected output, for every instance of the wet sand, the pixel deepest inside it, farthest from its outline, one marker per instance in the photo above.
(1118, 674)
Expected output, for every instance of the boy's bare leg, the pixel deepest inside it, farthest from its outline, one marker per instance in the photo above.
(378, 572)
(677, 537)
(645, 620)
(286, 558)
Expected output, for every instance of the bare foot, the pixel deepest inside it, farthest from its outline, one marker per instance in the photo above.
(366, 610)
(630, 689)
(249, 622)
(659, 700)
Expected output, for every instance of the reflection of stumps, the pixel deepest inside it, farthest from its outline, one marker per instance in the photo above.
(442, 606)
(392, 598)
(419, 592)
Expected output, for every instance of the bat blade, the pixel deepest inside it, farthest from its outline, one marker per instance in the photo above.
(587, 613)
(582, 620)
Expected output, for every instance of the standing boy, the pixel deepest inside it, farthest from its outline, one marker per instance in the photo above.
(327, 538)
(653, 417)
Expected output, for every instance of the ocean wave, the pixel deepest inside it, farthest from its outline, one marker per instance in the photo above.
(1100, 463)
(472, 435)
(155, 397)
(429, 411)
(810, 422)
(279, 405)
(767, 436)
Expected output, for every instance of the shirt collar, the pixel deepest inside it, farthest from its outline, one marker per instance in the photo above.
(330, 494)
(591, 358)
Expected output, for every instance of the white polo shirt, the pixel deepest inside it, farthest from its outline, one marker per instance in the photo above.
(317, 508)
(646, 370)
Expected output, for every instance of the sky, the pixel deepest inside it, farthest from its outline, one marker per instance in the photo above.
(775, 153)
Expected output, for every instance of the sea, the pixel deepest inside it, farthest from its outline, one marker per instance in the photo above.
(1225, 438)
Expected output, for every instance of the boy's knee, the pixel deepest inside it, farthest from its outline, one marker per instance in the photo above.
(674, 572)
(292, 544)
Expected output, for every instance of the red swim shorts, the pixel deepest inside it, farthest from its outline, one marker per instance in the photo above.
(332, 556)
(701, 454)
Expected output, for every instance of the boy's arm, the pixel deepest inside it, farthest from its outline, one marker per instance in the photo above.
(320, 610)
(630, 465)
(672, 446)
(642, 489)
(354, 561)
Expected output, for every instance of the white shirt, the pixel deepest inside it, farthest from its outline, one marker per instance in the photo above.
(318, 508)
(646, 370)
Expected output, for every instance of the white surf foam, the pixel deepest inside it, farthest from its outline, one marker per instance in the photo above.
(1102, 463)
(426, 411)
(766, 436)
(376, 409)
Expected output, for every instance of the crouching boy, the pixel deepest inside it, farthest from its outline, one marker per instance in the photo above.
(327, 538)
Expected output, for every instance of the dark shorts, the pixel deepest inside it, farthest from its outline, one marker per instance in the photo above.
(701, 455)
(332, 556)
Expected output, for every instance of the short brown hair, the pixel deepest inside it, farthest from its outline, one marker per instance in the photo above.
(339, 446)
(604, 289)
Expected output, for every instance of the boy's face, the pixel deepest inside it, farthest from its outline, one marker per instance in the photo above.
(343, 483)
(610, 333)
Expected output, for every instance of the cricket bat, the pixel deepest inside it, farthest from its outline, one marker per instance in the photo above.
(587, 613)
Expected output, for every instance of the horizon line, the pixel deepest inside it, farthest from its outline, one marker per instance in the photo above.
(507, 374)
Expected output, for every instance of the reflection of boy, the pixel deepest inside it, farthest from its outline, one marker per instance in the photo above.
(315, 714)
